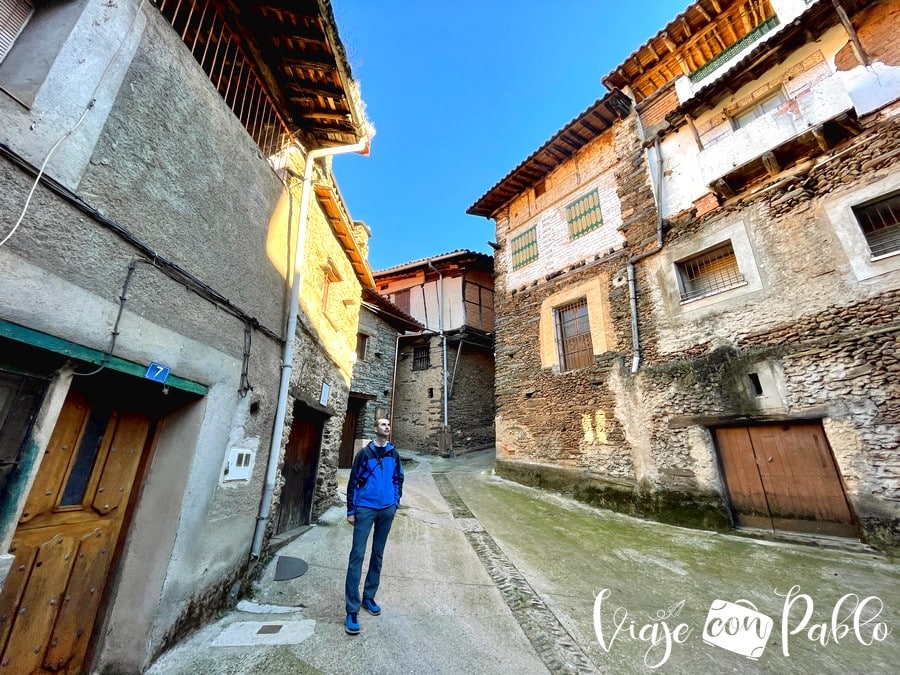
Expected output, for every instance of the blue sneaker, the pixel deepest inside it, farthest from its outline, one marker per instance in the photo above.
(351, 625)
(371, 606)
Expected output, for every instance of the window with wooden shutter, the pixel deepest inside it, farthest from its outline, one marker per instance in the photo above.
(14, 14)
(584, 215)
(524, 248)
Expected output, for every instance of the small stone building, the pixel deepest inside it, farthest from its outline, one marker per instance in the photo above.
(698, 281)
(444, 380)
(381, 324)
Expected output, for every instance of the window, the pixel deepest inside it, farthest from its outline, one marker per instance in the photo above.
(713, 271)
(524, 248)
(880, 224)
(757, 110)
(584, 214)
(14, 14)
(401, 299)
(573, 336)
(478, 302)
(421, 357)
(540, 188)
(362, 344)
(331, 276)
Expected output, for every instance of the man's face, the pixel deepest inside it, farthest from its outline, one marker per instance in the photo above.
(382, 427)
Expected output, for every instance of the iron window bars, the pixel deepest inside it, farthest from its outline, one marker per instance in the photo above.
(713, 271)
(573, 336)
(880, 224)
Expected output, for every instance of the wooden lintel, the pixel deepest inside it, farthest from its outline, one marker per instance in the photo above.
(770, 162)
(861, 54)
(327, 115)
(819, 134)
(722, 188)
(849, 124)
(694, 132)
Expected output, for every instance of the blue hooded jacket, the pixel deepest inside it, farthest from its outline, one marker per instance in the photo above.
(376, 479)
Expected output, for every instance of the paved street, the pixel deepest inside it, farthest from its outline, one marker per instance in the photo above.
(485, 576)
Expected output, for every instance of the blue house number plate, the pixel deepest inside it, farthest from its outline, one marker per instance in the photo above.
(157, 372)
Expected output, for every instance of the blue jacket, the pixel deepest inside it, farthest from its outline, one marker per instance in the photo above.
(376, 479)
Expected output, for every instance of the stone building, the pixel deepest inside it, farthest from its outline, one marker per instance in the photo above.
(444, 380)
(381, 324)
(170, 234)
(697, 297)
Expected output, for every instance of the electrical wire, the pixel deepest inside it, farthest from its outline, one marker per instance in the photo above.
(77, 124)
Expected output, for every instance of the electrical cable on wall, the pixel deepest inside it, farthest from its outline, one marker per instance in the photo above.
(88, 108)
(123, 296)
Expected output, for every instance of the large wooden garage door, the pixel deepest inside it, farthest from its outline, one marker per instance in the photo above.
(785, 478)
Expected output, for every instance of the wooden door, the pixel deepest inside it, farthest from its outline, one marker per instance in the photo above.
(67, 536)
(301, 460)
(348, 433)
(785, 478)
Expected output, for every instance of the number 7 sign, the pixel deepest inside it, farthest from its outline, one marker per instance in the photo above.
(157, 372)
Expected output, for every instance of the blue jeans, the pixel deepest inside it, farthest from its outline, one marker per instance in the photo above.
(365, 519)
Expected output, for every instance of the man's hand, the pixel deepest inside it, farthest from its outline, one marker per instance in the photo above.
(351, 519)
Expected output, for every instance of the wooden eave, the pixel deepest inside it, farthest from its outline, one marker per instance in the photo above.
(687, 43)
(299, 55)
(449, 264)
(806, 28)
(564, 144)
(389, 312)
(333, 206)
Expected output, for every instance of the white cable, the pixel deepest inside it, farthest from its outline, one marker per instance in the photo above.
(74, 127)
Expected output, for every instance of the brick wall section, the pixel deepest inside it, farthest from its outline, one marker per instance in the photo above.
(877, 30)
(653, 111)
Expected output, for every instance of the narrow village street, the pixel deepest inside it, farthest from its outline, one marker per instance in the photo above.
(482, 575)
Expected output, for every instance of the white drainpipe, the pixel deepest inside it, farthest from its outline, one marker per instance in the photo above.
(287, 359)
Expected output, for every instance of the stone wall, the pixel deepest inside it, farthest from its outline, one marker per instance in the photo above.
(471, 404)
(643, 443)
(418, 406)
(374, 375)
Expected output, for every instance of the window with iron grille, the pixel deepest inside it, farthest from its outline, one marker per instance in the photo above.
(421, 357)
(710, 272)
(573, 336)
(880, 224)
(14, 14)
(524, 248)
(584, 214)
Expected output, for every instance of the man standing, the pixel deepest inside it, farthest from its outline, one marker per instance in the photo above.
(373, 495)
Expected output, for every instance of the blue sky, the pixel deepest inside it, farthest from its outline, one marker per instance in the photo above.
(460, 93)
